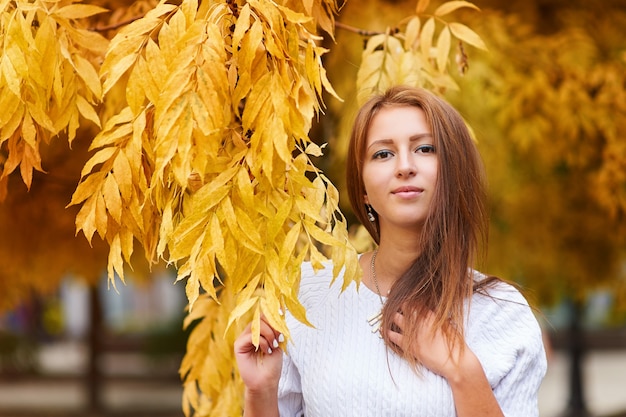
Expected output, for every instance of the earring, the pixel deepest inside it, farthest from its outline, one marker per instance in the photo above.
(370, 213)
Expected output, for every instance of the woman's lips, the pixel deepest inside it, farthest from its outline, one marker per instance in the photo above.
(407, 191)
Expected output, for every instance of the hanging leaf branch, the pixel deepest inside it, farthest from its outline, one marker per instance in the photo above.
(414, 54)
(48, 79)
(209, 166)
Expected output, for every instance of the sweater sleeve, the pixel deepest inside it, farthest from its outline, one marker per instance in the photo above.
(513, 354)
(290, 390)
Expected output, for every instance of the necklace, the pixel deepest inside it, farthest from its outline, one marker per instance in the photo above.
(376, 320)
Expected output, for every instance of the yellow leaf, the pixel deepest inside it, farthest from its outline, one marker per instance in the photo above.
(111, 193)
(279, 136)
(87, 188)
(270, 307)
(297, 310)
(158, 69)
(9, 103)
(10, 75)
(256, 100)
(216, 235)
(294, 17)
(29, 133)
(126, 243)
(242, 25)
(352, 271)
(102, 219)
(79, 11)
(118, 126)
(317, 258)
(87, 110)
(277, 221)
(166, 228)
(411, 34)
(86, 219)
(289, 245)
(41, 117)
(99, 157)
(256, 326)
(465, 34)
(426, 37)
(30, 160)
(117, 69)
(241, 309)
(189, 9)
(422, 5)
(321, 236)
(115, 264)
(241, 226)
(123, 175)
(443, 49)
(18, 60)
(14, 119)
(204, 272)
(90, 40)
(244, 187)
(450, 6)
(89, 75)
(192, 291)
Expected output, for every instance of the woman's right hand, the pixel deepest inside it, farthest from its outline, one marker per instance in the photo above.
(260, 367)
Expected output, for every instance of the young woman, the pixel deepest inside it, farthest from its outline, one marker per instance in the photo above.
(425, 335)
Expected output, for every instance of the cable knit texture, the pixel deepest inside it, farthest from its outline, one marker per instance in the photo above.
(341, 369)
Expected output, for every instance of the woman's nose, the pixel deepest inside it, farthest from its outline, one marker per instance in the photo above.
(406, 166)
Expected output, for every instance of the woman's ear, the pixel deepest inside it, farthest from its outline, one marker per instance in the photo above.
(365, 199)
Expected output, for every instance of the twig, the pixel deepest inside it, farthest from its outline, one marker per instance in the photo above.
(116, 25)
(361, 32)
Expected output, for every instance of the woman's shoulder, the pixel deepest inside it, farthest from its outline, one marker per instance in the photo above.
(490, 289)
(499, 306)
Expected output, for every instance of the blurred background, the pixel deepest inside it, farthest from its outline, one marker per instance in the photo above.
(547, 104)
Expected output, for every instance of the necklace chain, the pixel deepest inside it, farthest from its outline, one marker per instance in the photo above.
(373, 273)
(376, 320)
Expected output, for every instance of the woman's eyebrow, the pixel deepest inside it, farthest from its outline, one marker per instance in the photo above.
(420, 136)
(413, 138)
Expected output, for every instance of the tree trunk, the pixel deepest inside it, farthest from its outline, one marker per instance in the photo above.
(94, 379)
(577, 405)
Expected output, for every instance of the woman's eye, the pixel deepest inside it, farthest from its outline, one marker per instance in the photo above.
(425, 149)
(382, 154)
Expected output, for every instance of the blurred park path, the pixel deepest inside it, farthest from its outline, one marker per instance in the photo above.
(605, 385)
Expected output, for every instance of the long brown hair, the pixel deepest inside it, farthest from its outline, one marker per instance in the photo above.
(441, 279)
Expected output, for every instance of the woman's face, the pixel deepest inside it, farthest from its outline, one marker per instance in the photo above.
(400, 167)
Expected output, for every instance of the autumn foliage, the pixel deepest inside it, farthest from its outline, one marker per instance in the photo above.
(197, 117)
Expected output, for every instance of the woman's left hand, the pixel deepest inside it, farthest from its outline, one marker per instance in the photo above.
(433, 348)
(456, 363)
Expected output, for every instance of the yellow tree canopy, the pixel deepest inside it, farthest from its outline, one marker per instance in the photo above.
(551, 110)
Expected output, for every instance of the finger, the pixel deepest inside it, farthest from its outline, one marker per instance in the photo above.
(396, 338)
(272, 336)
(398, 320)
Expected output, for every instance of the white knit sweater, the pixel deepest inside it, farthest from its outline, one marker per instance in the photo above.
(341, 369)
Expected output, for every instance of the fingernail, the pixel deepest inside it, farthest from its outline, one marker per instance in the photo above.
(281, 338)
(275, 343)
(269, 351)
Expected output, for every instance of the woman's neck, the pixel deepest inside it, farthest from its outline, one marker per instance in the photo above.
(394, 256)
